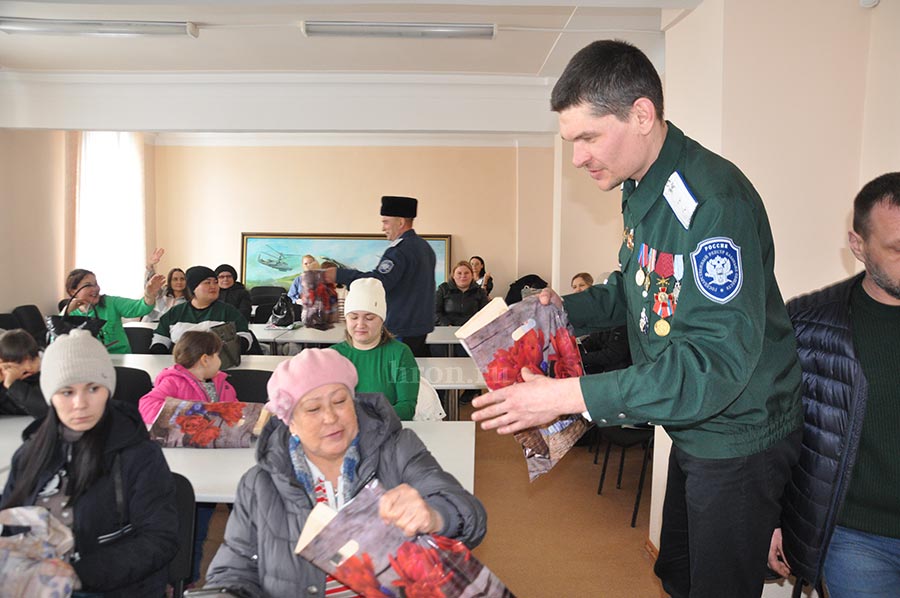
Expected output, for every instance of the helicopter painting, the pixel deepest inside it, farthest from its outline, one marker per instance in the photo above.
(275, 259)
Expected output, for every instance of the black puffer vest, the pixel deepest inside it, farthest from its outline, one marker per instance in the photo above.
(834, 404)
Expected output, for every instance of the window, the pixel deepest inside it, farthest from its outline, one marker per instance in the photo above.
(109, 214)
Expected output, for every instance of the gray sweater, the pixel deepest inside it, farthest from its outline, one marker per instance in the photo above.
(271, 507)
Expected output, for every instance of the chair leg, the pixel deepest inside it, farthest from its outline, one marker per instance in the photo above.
(597, 446)
(637, 500)
(178, 589)
(621, 467)
(603, 471)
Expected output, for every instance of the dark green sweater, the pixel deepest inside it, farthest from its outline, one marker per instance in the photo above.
(872, 499)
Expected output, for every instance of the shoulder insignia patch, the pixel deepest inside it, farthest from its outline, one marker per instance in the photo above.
(385, 266)
(717, 269)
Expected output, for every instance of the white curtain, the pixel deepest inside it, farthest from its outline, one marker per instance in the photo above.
(109, 211)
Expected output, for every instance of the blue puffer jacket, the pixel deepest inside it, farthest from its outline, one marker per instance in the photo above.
(834, 403)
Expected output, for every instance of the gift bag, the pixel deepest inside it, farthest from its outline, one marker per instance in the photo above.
(30, 565)
(282, 312)
(319, 300)
(64, 324)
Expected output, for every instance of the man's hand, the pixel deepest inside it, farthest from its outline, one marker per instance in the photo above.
(777, 561)
(404, 507)
(536, 401)
(549, 296)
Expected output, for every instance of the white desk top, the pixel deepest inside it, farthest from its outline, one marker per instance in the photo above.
(444, 373)
(215, 473)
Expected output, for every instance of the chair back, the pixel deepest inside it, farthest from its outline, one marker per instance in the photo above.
(262, 312)
(428, 404)
(131, 384)
(30, 318)
(266, 294)
(250, 385)
(139, 338)
(180, 566)
(8, 322)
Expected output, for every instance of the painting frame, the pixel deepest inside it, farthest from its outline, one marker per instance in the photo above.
(273, 259)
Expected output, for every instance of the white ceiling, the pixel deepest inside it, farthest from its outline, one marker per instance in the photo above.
(247, 36)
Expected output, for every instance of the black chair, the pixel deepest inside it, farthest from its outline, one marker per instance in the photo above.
(626, 437)
(30, 318)
(9, 322)
(139, 338)
(262, 312)
(250, 385)
(266, 294)
(131, 384)
(180, 566)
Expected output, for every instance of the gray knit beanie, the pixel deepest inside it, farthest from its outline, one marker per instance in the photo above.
(76, 358)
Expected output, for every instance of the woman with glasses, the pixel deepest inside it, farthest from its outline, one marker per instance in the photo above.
(85, 300)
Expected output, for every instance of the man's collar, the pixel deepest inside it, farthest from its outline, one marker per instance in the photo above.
(640, 198)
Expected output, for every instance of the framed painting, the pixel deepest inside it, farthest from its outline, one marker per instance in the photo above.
(274, 259)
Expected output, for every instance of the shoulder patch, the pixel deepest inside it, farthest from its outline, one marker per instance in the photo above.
(680, 199)
(717, 269)
(385, 266)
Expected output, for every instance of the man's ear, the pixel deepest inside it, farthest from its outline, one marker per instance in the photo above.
(857, 245)
(644, 113)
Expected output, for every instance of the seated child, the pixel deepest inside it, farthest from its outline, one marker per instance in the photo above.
(194, 377)
(20, 378)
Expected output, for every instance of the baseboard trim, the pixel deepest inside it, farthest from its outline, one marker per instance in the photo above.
(651, 549)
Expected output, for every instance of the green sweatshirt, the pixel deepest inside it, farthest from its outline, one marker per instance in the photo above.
(713, 349)
(389, 369)
(113, 310)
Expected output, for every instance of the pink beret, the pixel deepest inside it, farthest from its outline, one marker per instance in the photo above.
(306, 371)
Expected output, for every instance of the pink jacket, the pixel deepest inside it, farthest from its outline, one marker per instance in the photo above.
(178, 382)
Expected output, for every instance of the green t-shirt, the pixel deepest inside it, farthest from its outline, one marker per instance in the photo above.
(113, 310)
(389, 369)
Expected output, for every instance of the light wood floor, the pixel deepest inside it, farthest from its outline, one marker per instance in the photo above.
(554, 538)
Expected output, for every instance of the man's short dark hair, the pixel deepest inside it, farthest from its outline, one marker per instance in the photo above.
(884, 188)
(608, 75)
(16, 346)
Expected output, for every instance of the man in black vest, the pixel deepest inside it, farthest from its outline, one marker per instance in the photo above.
(841, 510)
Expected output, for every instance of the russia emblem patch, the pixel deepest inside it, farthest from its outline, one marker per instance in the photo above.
(717, 269)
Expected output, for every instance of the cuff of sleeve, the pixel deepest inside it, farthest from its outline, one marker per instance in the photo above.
(453, 521)
(603, 399)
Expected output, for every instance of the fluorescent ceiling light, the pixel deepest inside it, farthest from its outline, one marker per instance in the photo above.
(102, 28)
(376, 29)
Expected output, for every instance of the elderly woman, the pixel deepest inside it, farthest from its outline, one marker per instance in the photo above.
(325, 445)
(91, 463)
(384, 364)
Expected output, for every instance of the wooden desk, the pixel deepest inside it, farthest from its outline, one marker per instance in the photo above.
(215, 473)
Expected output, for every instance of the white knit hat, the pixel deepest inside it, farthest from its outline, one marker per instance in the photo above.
(366, 294)
(76, 358)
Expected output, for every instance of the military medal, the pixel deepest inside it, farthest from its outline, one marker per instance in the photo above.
(639, 277)
(642, 263)
(651, 264)
(644, 322)
(678, 273)
(662, 328)
(664, 305)
(628, 238)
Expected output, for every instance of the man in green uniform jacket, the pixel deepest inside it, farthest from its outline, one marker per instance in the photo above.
(713, 349)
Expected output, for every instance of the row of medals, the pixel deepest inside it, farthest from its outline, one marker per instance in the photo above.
(642, 279)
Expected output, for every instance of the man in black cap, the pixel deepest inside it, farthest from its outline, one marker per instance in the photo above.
(407, 272)
(204, 306)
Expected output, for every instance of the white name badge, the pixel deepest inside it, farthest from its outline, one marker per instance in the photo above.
(680, 199)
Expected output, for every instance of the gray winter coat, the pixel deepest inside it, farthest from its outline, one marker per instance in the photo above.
(271, 507)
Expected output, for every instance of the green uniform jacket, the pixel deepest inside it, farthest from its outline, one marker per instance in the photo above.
(113, 310)
(389, 369)
(720, 371)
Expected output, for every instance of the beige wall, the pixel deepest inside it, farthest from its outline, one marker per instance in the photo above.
(534, 214)
(207, 196)
(32, 189)
(881, 126)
